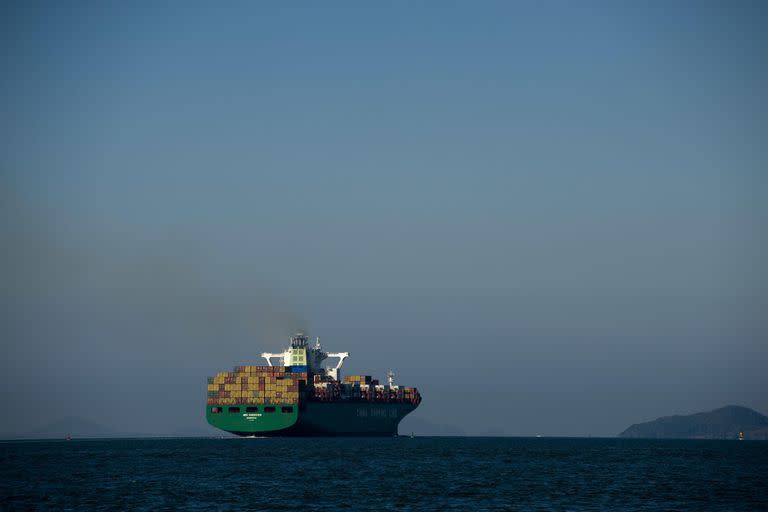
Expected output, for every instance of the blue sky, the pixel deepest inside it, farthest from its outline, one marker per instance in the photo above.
(545, 205)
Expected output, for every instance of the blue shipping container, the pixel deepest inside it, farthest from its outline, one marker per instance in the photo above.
(298, 369)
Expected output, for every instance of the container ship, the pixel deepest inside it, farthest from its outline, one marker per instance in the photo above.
(301, 397)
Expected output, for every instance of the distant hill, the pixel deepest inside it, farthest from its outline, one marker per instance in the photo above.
(723, 423)
(200, 431)
(77, 428)
(84, 428)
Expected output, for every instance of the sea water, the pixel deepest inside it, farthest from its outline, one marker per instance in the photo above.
(423, 473)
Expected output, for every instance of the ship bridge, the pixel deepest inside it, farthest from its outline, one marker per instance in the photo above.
(300, 353)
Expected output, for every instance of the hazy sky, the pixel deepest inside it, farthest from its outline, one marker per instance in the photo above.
(549, 216)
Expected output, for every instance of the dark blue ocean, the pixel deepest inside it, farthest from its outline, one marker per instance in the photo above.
(384, 474)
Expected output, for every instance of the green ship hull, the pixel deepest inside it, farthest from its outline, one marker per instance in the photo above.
(310, 418)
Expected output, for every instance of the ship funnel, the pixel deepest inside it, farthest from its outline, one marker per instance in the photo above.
(299, 340)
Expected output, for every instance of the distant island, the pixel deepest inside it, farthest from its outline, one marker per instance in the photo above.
(723, 423)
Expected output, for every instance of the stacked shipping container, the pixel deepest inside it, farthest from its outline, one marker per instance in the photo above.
(285, 385)
(353, 389)
(257, 385)
(360, 379)
(328, 391)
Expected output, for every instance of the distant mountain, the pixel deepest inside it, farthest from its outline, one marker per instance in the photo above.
(77, 428)
(723, 423)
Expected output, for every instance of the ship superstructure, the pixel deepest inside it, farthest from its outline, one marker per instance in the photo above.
(301, 354)
(301, 396)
